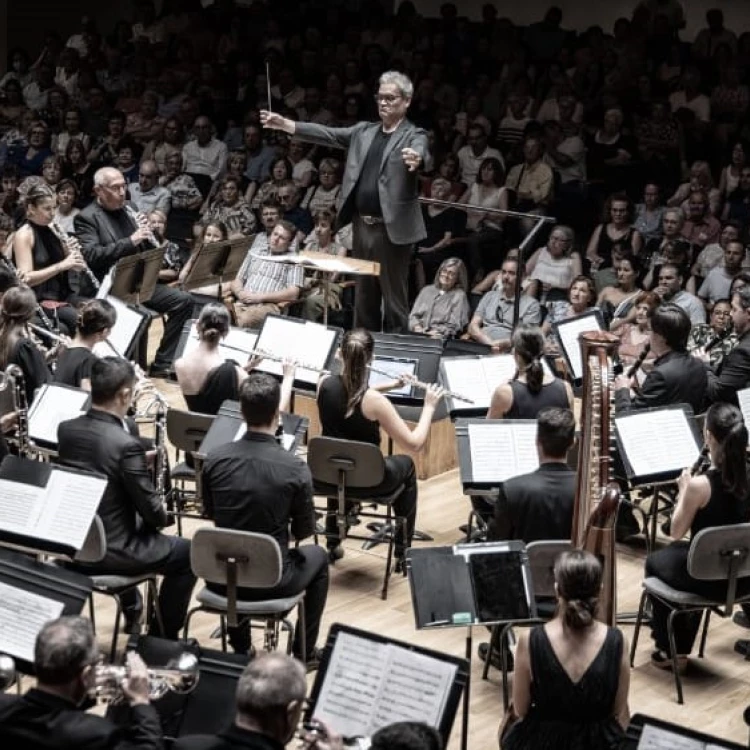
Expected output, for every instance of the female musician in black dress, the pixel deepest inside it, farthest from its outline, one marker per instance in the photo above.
(572, 676)
(351, 410)
(716, 498)
(96, 318)
(16, 345)
(43, 261)
(532, 388)
(206, 378)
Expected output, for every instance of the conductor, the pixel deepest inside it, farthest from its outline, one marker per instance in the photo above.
(379, 196)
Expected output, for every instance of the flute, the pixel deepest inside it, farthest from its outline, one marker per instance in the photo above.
(639, 361)
(71, 244)
(424, 386)
(701, 464)
(263, 354)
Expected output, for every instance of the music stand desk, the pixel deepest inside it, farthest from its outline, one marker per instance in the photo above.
(222, 259)
(136, 276)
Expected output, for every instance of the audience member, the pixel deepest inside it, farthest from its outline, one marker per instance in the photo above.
(441, 309)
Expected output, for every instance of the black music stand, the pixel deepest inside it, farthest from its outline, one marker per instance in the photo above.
(53, 404)
(218, 259)
(567, 333)
(467, 585)
(669, 733)
(382, 660)
(189, 337)
(51, 583)
(136, 276)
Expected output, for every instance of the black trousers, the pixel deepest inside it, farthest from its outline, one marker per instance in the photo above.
(174, 593)
(306, 570)
(398, 470)
(670, 565)
(391, 288)
(177, 306)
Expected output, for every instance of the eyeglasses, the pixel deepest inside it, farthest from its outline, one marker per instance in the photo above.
(118, 188)
(386, 98)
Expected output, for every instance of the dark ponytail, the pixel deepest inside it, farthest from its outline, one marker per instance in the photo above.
(528, 344)
(356, 354)
(96, 316)
(578, 576)
(725, 423)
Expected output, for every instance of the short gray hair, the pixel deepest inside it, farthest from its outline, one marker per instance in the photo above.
(268, 685)
(401, 81)
(678, 212)
(63, 648)
(103, 175)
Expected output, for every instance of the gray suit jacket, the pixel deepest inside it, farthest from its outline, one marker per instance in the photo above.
(397, 186)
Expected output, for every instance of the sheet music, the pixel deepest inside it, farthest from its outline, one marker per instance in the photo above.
(394, 368)
(568, 332)
(106, 284)
(53, 405)
(743, 397)
(331, 265)
(237, 345)
(369, 685)
(502, 450)
(307, 342)
(124, 331)
(22, 616)
(657, 738)
(658, 441)
(61, 512)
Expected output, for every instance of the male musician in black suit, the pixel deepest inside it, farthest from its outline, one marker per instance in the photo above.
(270, 698)
(253, 484)
(379, 195)
(677, 377)
(131, 510)
(108, 232)
(52, 714)
(734, 370)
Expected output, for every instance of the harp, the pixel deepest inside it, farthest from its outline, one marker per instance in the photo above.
(597, 497)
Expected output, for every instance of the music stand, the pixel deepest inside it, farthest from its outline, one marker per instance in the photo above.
(32, 593)
(660, 733)
(238, 346)
(467, 585)
(53, 404)
(136, 276)
(567, 332)
(217, 259)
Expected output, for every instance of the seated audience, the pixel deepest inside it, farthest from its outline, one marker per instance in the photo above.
(65, 211)
(717, 283)
(253, 484)
(581, 297)
(737, 206)
(183, 192)
(649, 214)
(717, 498)
(712, 255)
(327, 193)
(551, 269)
(131, 510)
(635, 332)
(618, 302)
(492, 323)
(572, 650)
(701, 228)
(441, 309)
(533, 387)
(52, 714)
(231, 210)
(700, 179)
(616, 229)
(472, 155)
(280, 174)
(532, 181)
(146, 194)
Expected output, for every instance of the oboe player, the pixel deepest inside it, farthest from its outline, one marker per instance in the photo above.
(43, 261)
(108, 232)
(351, 410)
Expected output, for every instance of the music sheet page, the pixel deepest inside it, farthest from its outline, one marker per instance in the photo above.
(656, 738)
(743, 397)
(125, 329)
(369, 685)
(568, 331)
(502, 451)
(21, 507)
(657, 441)
(22, 615)
(52, 406)
(466, 376)
(308, 343)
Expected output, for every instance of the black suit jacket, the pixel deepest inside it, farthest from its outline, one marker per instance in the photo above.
(102, 243)
(536, 506)
(398, 188)
(234, 738)
(677, 378)
(39, 720)
(733, 374)
(130, 509)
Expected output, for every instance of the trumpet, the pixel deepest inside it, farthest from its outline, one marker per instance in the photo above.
(179, 676)
(414, 383)
(264, 354)
(71, 244)
(141, 221)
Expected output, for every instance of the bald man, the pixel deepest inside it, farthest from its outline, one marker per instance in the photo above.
(107, 232)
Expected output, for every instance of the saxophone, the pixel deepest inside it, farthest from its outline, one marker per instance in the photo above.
(13, 379)
(597, 497)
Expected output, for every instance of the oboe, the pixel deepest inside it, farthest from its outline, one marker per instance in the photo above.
(424, 386)
(71, 244)
(141, 222)
(50, 329)
(639, 361)
(701, 463)
(718, 338)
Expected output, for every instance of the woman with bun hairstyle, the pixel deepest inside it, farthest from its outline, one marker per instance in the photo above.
(533, 386)
(206, 378)
(572, 676)
(96, 319)
(716, 498)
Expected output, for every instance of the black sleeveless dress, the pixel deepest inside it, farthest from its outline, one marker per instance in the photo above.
(527, 405)
(46, 252)
(566, 715)
(221, 384)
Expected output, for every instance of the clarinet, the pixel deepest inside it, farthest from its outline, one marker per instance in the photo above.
(13, 376)
(718, 338)
(701, 463)
(160, 462)
(639, 361)
(69, 242)
(46, 322)
(142, 222)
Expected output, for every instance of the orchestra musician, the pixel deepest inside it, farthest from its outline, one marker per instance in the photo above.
(96, 318)
(131, 510)
(107, 232)
(351, 410)
(43, 261)
(716, 498)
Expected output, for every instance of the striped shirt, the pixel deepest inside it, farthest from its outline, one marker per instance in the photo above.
(259, 276)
